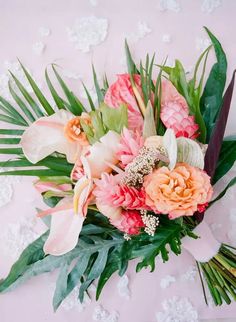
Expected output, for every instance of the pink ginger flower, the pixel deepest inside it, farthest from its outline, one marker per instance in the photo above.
(110, 192)
(121, 92)
(130, 144)
(175, 112)
(129, 222)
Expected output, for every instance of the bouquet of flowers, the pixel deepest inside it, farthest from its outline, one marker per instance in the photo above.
(130, 178)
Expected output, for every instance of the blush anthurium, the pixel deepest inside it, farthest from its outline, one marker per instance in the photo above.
(68, 216)
(51, 134)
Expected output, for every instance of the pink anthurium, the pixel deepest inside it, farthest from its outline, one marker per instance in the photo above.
(68, 216)
(49, 134)
(65, 228)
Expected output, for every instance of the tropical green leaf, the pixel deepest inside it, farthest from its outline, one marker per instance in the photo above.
(75, 106)
(32, 103)
(61, 286)
(9, 140)
(114, 119)
(93, 108)
(99, 92)
(32, 254)
(12, 112)
(11, 120)
(42, 99)
(11, 132)
(226, 159)
(132, 69)
(211, 99)
(57, 99)
(31, 173)
(21, 104)
(14, 151)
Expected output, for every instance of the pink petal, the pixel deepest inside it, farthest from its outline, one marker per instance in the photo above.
(64, 232)
(46, 135)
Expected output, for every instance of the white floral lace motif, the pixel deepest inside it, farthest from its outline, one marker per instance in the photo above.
(87, 32)
(177, 309)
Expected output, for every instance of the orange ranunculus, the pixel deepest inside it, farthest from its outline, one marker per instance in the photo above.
(178, 192)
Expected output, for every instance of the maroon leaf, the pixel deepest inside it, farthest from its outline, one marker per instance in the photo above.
(214, 146)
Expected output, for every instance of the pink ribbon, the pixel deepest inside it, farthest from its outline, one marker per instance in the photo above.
(203, 248)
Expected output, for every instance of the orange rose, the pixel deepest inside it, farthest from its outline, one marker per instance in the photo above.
(178, 192)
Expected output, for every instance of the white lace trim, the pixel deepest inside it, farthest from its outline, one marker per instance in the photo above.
(38, 48)
(123, 287)
(190, 274)
(17, 236)
(172, 5)
(142, 31)
(167, 281)
(44, 31)
(87, 32)
(6, 187)
(209, 6)
(72, 301)
(103, 315)
(177, 309)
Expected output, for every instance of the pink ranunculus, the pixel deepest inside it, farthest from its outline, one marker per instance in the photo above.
(110, 191)
(175, 112)
(130, 222)
(130, 144)
(121, 92)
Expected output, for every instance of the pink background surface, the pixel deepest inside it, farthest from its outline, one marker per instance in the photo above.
(19, 24)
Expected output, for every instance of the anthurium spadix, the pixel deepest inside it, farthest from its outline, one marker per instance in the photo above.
(48, 135)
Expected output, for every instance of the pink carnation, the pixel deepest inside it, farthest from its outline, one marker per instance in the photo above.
(121, 92)
(130, 144)
(175, 112)
(110, 192)
(129, 222)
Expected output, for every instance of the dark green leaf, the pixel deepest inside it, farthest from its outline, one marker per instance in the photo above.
(99, 92)
(211, 99)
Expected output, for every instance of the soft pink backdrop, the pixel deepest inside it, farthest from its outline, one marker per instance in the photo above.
(19, 24)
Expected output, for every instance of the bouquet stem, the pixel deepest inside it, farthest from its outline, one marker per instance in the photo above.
(220, 275)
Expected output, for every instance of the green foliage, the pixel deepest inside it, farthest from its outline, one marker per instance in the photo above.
(101, 251)
(212, 96)
(226, 159)
(114, 119)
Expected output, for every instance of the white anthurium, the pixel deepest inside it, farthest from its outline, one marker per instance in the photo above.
(170, 145)
(190, 152)
(65, 228)
(46, 136)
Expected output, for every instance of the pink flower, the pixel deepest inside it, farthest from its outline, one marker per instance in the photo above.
(110, 192)
(175, 112)
(130, 144)
(121, 92)
(129, 222)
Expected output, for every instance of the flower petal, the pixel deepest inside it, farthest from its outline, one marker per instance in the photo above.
(170, 144)
(102, 153)
(46, 135)
(64, 232)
